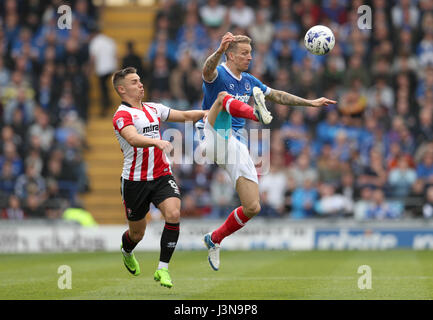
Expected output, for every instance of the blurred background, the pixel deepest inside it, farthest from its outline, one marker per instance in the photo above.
(368, 158)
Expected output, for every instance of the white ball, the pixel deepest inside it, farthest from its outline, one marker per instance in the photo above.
(319, 40)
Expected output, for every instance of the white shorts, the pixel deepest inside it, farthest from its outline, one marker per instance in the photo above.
(229, 154)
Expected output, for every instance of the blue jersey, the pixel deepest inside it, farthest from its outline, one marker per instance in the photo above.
(240, 88)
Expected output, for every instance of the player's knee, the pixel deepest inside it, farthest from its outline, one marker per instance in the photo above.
(220, 98)
(253, 209)
(172, 216)
(221, 95)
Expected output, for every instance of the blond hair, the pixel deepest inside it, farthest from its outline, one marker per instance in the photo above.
(238, 39)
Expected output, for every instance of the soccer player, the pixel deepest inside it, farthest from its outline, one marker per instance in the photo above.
(146, 176)
(220, 84)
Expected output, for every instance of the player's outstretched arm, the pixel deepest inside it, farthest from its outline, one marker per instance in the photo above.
(209, 67)
(282, 97)
(183, 116)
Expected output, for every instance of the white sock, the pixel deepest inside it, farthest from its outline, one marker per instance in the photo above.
(162, 265)
(126, 254)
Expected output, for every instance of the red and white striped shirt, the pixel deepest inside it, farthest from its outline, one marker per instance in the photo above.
(142, 164)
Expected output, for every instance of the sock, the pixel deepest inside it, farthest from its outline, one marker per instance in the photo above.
(238, 109)
(162, 265)
(169, 237)
(127, 244)
(235, 221)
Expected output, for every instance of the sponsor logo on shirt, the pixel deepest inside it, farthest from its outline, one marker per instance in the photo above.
(151, 128)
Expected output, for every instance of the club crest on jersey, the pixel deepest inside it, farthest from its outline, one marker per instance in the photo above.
(152, 108)
(120, 123)
(247, 86)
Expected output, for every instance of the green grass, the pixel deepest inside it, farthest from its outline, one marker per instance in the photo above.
(243, 275)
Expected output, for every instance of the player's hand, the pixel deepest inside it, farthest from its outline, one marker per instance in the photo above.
(322, 102)
(225, 42)
(163, 145)
(205, 115)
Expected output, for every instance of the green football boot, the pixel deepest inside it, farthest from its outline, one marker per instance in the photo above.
(130, 263)
(163, 277)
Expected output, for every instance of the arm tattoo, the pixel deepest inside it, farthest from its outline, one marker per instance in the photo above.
(210, 65)
(287, 99)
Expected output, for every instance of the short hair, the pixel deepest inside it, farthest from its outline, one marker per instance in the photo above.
(238, 39)
(120, 75)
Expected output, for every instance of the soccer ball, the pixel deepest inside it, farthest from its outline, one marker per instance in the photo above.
(319, 40)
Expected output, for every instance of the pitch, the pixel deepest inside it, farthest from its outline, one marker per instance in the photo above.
(244, 275)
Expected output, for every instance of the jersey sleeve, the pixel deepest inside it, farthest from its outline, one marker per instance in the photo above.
(162, 111)
(122, 119)
(257, 83)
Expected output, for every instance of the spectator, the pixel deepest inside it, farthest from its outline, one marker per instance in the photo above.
(427, 209)
(295, 132)
(21, 102)
(13, 210)
(329, 169)
(335, 11)
(424, 128)
(303, 200)
(102, 50)
(374, 173)
(326, 130)
(131, 59)
(31, 182)
(380, 209)
(401, 179)
(43, 130)
(346, 187)
(302, 170)
(273, 185)
(404, 13)
(189, 208)
(331, 203)
(361, 205)
(7, 179)
(33, 207)
(380, 95)
(342, 147)
(424, 169)
(160, 86)
(266, 209)
(221, 192)
(262, 31)
(213, 14)
(240, 14)
(10, 155)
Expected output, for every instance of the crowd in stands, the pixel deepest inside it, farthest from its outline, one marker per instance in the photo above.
(44, 98)
(368, 157)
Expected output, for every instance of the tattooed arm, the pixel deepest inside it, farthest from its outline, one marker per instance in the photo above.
(285, 98)
(209, 67)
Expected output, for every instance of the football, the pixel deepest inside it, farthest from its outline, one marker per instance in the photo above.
(319, 40)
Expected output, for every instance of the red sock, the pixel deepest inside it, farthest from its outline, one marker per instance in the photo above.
(238, 109)
(234, 222)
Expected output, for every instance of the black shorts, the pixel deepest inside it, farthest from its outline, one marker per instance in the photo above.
(137, 195)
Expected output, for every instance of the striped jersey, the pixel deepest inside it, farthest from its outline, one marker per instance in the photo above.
(142, 164)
